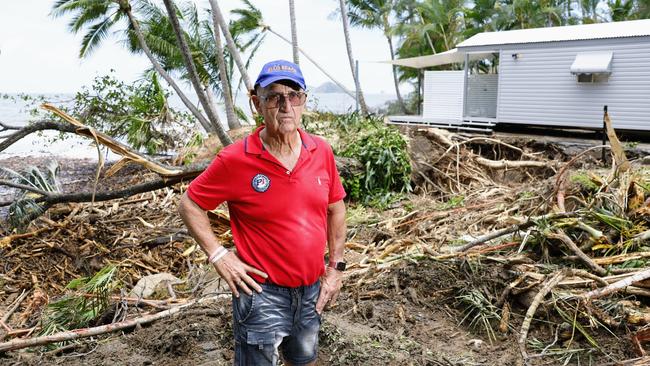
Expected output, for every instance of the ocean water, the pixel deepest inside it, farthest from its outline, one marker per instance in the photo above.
(16, 112)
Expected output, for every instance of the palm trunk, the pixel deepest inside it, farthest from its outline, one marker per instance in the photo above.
(233, 121)
(193, 75)
(312, 61)
(211, 98)
(348, 45)
(294, 32)
(392, 57)
(156, 65)
(234, 52)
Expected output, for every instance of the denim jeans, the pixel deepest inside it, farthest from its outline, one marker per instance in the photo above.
(279, 319)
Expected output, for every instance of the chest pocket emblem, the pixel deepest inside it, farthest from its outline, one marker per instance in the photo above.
(261, 183)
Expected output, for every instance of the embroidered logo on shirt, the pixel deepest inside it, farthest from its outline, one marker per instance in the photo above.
(261, 183)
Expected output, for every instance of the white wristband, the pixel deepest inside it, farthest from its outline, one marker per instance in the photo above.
(218, 255)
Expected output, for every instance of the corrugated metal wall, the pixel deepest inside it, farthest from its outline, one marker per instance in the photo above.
(482, 95)
(443, 96)
(538, 88)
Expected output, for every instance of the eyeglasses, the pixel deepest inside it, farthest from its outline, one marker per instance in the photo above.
(274, 100)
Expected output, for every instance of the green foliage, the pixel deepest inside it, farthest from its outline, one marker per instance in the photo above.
(24, 209)
(452, 202)
(479, 311)
(584, 181)
(138, 113)
(81, 308)
(382, 151)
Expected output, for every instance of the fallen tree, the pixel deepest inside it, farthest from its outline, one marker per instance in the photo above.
(167, 175)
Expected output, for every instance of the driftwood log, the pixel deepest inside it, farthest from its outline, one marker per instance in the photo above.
(89, 332)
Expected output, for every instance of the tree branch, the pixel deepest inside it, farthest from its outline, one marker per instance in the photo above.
(89, 332)
(511, 229)
(564, 238)
(34, 127)
(6, 127)
(23, 187)
(168, 175)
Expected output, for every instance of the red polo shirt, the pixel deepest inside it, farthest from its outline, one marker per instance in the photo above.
(278, 217)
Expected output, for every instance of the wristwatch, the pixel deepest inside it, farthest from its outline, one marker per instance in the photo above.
(339, 266)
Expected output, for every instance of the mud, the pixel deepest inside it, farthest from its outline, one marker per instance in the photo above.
(412, 318)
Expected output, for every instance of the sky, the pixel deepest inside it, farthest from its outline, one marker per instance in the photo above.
(39, 55)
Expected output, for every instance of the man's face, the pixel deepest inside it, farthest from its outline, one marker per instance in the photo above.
(282, 117)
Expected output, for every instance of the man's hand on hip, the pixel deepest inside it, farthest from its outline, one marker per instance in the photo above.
(235, 272)
(330, 287)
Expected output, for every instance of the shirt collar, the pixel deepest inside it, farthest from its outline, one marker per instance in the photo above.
(253, 143)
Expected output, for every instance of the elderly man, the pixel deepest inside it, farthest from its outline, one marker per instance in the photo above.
(285, 201)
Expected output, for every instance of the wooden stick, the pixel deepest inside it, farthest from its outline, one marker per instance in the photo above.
(617, 286)
(15, 305)
(620, 258)
(89, 332)
(537, 300)
(507, 164)
(512, 229)
(5, 326)
(19, 332)
(7, 240)
(564, 238)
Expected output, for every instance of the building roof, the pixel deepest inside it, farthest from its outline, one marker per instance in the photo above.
(442, 58)
(633, 28)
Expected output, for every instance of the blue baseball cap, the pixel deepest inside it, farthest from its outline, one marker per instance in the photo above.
(280, 70)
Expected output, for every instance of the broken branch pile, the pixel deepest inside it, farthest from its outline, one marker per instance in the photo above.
(566, 243)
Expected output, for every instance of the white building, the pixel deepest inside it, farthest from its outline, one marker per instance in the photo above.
(558, 76)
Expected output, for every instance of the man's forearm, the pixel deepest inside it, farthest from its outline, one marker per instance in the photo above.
(336, 231)
(198, 225)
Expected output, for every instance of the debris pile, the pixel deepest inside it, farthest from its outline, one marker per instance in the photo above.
(530, 236)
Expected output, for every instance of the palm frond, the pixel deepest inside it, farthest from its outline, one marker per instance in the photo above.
(87, 16)
(78, 310)
(63, 7)
(96, 33)
(25, 209)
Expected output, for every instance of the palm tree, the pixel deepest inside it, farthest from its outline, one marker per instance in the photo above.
(621, 9)
(193, 75)
(642, 9)
(348, 45)
(294, 32)
(201, 41)
(480, 17)
(376, 14)
(589, 11)
(99, 16)
(232, 48)
(233, 122)
(251, 22)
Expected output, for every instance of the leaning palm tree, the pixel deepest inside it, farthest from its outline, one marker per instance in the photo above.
(233, 122)
(250, 21)
(232, 47)
(376, 14)
(294, 32)
(201, 40)
(193, 75)
(348, 45)
(99, 16)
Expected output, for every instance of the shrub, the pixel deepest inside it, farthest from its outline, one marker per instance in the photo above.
(382, 151)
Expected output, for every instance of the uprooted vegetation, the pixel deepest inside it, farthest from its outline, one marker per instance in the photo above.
(495, 253)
